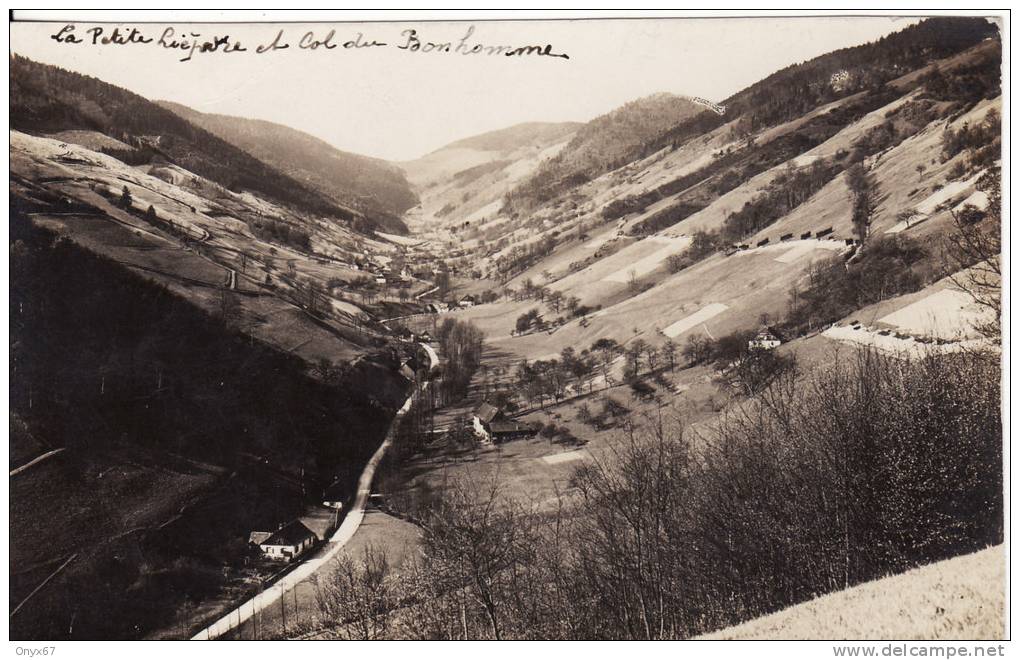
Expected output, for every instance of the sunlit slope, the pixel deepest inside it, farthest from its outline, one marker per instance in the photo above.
(960, 598)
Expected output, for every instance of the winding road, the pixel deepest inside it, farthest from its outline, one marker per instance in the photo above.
(336, 543)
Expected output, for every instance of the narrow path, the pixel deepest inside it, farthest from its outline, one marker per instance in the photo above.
(425, 293)
(43, 584)
(35, 460)
(336, 543)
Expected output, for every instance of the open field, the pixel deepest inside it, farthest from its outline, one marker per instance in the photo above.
(197, 357)
(946, 314)
(695, 319)
(648, 263)
(888, 343)
(537, 470)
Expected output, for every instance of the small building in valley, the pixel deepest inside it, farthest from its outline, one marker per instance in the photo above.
(492, 425)
(285, 544)
(765, 340)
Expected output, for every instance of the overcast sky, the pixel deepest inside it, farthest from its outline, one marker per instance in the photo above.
(396, 104)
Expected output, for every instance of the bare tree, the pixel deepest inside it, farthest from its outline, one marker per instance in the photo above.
(863, 190)
(356, 597)
(476, 543)
(975, 246)
(669, 351)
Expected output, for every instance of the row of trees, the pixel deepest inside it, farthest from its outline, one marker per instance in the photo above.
(520, 257)
(872, 466)
(461, 344)
(556, 299)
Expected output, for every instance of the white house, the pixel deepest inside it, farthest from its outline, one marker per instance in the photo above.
(287, 543)
(764, 340)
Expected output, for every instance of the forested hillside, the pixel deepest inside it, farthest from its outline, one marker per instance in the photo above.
(792, 91)
(177, 435)
(371, 185)
(599, 145)
(643, 127)
(510, 138)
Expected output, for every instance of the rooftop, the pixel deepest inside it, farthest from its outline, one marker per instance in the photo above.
(292, 533)
(487, 412)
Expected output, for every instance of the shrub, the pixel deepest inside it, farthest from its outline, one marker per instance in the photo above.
(957, 171)
(613, 408)
(642, 389)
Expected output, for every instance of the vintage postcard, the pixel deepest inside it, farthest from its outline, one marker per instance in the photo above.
(649, 326)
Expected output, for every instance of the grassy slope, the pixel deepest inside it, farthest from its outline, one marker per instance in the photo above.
(201, 206)
(960, 598)
(749, 283)
(477, 198)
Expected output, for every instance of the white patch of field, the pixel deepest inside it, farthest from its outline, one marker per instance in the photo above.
(795, 253)
(977, 199)
(806, 159)
(649, 263)
(700, 316)
(170, 173)
(946, 193)
(599, 241)
(485, 212)
(893, 345)
(565, 457)
(945, 314)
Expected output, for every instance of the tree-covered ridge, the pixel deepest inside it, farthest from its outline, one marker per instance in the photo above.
(367, 184)
(602, 145)
(46, 98)
(508, 139)
(782, 96)
(793, 91)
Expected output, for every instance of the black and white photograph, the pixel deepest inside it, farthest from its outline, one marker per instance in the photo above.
(454, 325)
